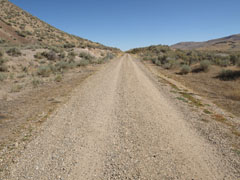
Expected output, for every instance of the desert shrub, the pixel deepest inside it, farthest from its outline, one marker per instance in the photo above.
(3, 76)
(185, 69)
(167, 66)
(83, 62)
(36, 82)
(25, 69)
(62, 65)
(38, 55)
(171, 63)
(3, 68)
(16, 88)
(71, 55)
(51, 55)
(2, 61)
(1, 53)
(205, 65)
(109, 56)
(72, 64)
(154, 60)
(223, 62)
(86, 56)
(163, 59)
(55, 49)
(2, 41)
(58, 78)
(235, 59)
(227, 74)
(44, 71)
(101, 60)
(145, 58)
(14, 52)
(238, 64)
(158, 63)
(62, 55)
(23, 33)
(19, 33)
(68, 45)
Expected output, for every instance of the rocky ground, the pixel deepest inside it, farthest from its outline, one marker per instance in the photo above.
(128, 122)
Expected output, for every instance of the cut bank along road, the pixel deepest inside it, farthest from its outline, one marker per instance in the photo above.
(118, 125)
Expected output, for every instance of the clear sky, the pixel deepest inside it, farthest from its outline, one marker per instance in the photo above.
(134, 23)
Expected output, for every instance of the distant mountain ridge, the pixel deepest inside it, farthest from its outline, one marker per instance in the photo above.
(229, 43)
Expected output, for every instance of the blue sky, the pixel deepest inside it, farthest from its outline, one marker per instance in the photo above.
(135, 23)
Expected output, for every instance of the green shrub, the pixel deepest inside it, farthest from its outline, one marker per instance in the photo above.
(38, 55)
(170, 64)
(62, 65)
(2, 61)
(3, 68)
(238, 64)
(228, 75)
(205, 65)
(163, 59)
(16, 88)
(62, 55)
(58, 78)
(72, 64)
(2, 41)
(224, 63)
(158, 63)
(109, 56)
(71, 54)
(44, 71)
(167, 66)
(86, 56)
(3, 76)
(55, 49)
(83, 62)
(23, 33)
(1, 53)
(51, 55)
(235, 59)
(154, 60)
(185, 69)
(14, 52)
(145, 58)
(36, 82)
(69, 45)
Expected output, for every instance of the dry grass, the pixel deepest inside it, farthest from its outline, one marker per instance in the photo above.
(234, 94)
(225, 94)
(193, 100)
(220, 118)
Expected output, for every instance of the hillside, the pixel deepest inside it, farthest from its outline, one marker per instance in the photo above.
(17, 27)
(229, 43)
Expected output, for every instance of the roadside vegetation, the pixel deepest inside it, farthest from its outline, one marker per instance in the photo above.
(198, 61)
(21, 65)
(214, 74)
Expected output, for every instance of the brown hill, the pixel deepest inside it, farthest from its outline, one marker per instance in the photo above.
(19, 27)
(229, 43)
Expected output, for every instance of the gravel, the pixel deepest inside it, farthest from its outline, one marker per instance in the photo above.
(119, 125)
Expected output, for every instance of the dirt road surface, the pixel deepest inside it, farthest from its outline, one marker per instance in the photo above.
(119, 125)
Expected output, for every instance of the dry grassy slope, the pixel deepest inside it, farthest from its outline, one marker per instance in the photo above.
(19, 27)
(229, 43)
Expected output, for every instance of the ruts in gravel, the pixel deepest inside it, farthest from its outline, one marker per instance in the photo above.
(118, 125)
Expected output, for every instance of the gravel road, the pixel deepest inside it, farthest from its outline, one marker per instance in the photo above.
(118, 125)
